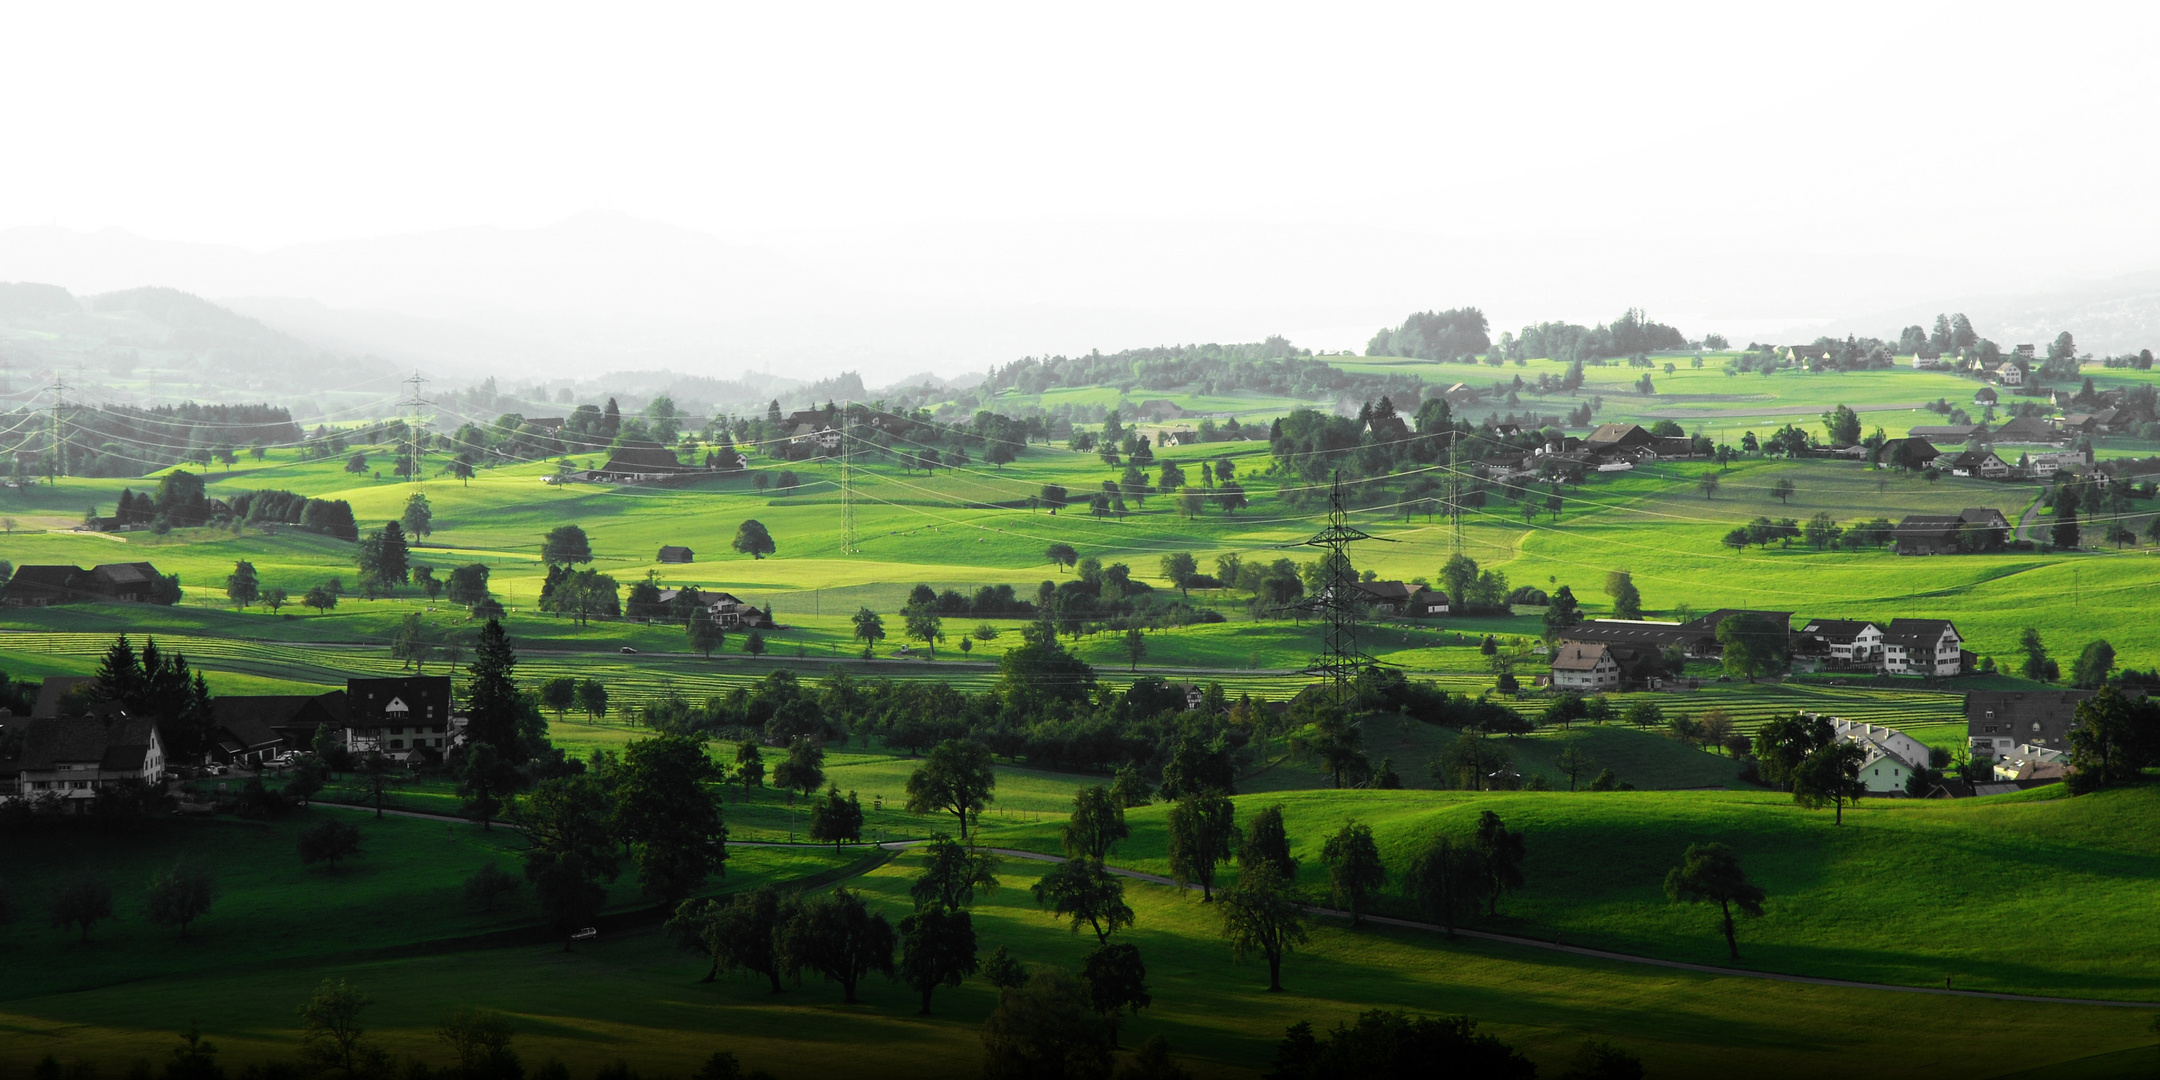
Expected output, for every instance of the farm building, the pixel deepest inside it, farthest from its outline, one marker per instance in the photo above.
(1997, 722)
(1585, 667)
(1923, 647)
(1970, 530)
(397, 716)
(640, 462)
(672, 553)
(70, 760)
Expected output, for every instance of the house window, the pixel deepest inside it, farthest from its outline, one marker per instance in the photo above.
(397, 744)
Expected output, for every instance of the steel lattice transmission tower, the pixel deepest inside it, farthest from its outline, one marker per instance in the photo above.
(1338, 601)
(413, 405)
(56, 464)
(847, 481)
(1454, 490)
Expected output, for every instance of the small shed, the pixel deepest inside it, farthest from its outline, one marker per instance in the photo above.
(673, 554)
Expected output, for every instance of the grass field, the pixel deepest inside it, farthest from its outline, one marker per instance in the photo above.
(1851, 900)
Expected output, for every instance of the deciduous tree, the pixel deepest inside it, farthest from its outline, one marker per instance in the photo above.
(957, 777)
(1097, 824)
(1202, 831)
(1263, 914)
(838, 937)
(1084, 892)
(1355, 872)
(1711, 872)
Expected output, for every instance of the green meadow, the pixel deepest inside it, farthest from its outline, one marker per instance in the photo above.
(1865, 900)
(2033, 893)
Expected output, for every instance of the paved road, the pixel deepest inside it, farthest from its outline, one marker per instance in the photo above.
(2025, 521)
(1483, 935)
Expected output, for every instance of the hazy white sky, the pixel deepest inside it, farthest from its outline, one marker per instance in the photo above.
(2008, 135)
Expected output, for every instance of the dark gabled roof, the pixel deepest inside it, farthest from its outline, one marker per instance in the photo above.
(1389, 428)
(2026, 427)
(1927, 523)
(1578, 657)
(125, 573)
(1973, 459)
(45, 580)
(426, 699)
(1983, 515)
(2055, 711)
(118, 744)
(1385, 590)
(1927, 631)
(56, 687)
(644, 457)
(264, 718)
(1608, 435)
(673, 549)
(247, 726)
(1708, 624)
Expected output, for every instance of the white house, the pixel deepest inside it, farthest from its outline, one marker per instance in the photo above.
(1848, 641)
(1585, 667)
(395, 717)
(1892, 756)
(1923, 647)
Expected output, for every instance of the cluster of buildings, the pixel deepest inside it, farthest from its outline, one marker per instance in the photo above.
(70, 757)
(1611, 654)
(43, 585)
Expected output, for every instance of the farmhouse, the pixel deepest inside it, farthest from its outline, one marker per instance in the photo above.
(2008, 374)
(1803, 354)
(290, 720)
(1392, 595)
(1614, 439)
(1585, 667)
(1907, 453)
(242, 733)
(41, 585)
(1893, 756)
(731, 613)
(2045, 464)
(1387, 429)
(1998, 722)
(2028, 429)
(1973, 529)
(672, 554)
(639, 463)
(1981, 463)
(822, 435)
(1426, 603)
(71, 759)
(1923, 647)
(1986, 396)
(128, 583)
(1848, 643)
(397, 716)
